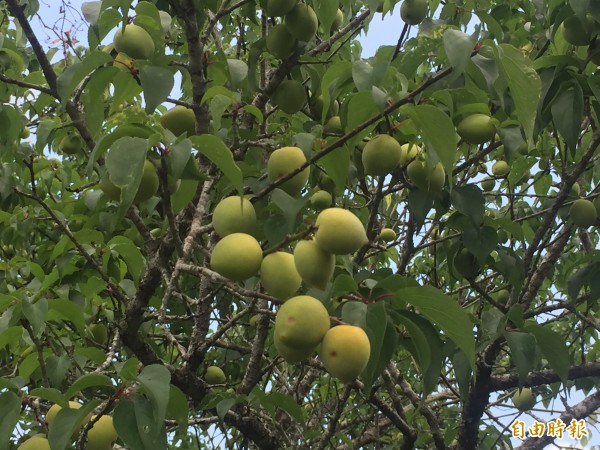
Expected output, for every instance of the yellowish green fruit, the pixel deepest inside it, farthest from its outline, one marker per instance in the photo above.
(381, 155)
(576, 31)
(413, 12)
(575, 191)
(254, 320)
(25, 133)
(283, 161)
(466, 264)
(54, 409)
(476, 129)
(301, 322)
(488, 184)
(179, 120)
(123, 62)
(340, 232)
(280, 43)
(321, 200)
(156, 232)
(148, 185)
(316, 108)
(134, 41)
(524, 399)
(35, 443)
(387, 235)
(278, 275)
(409, 152)
(102, 435)
(291, 354)
(501, 296)
(279, 8)
(237, 256)
(71, 144)
(337, 21)
(345, 352)
(500, 169)
(289, 96)
(583, 213)
(334, 125)
(426, 178)
(302, 22)
(234, 215)
(214, 375)
(314, 264)
(98, 333)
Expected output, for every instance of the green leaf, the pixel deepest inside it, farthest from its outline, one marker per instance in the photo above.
(438, 132)
(342, 284)
(91, 11)
(360, 108)
(480, 241)
(178, 407)
(36, 314)
(157, 84)
(10, 410)
(355, 313)
(57, 367)
(383, 340)
(553, 348)
(336, 165)
(469, 201)
(68, 310)
(366, 76)
(224, 406)
(88, 380)
(251, 109)
(50, 394)
(73, 75)
(178, 158)
(443, 311)
(524, 84)
(522, 352)
(420, 349)
(287, 404)
(567, 112)
(125, 422)
(326, 14)
(214, 149)
(156, 380)
(458, 47)
(218, 105)
(130, 253)
(125, 163)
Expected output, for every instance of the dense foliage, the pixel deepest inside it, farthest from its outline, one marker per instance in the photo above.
(484, 279)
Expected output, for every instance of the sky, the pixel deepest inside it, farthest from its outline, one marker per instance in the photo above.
(382, 31)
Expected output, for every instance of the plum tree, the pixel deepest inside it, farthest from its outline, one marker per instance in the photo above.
(328, 236)
(237, 256)
(345, 352)
(134, 41)
(212, 139)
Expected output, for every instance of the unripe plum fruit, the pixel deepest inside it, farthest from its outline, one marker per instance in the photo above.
(314, 264)
(237, 256)
(134, 41)
(283, 161)
(234, 215)
(301, 322)
(345, 352)
(279, 276)
(340, 232)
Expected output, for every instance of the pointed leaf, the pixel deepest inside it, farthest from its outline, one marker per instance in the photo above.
(157, 84)
(215, 149)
